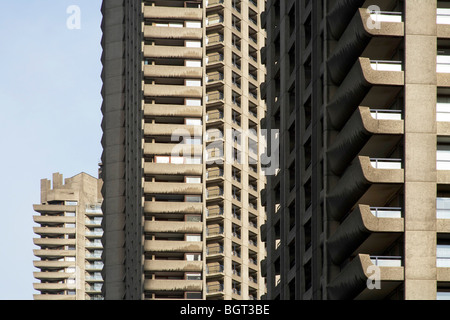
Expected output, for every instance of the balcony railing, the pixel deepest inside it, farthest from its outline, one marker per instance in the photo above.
(217, 57)
(386, 261)
(386, 16)
(214, 212)
(213, 2)
(380, 163)
(217, 115)
(213, 20)
(386, 65)
(386, 114)
(386, 212)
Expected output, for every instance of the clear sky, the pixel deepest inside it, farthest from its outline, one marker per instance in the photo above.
(50, 117)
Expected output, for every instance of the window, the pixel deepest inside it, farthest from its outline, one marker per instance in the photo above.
(193, 257)
(193, 237)
(193, 295)
(192, 199)
(193, 83)
(194, 102)
(443, 256)
(193, 276)
(193, 63)
(193, 180)
(193, 44)
(193, 122)
(193, 24)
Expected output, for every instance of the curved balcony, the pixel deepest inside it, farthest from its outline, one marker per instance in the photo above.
(163, 207)
(163, 129)
(173, 266)
(167, 110)
(173, 188)
(172, 13)
(153, 32)
(52, 275)
(52, 286)
(172, 52)
(49, 208)
(173, 169)
(370, 83)
(49, 264)
(171, 149)
(173, 246)
(156, 71)
(352, 282)
(340, 15)
(51, 242)
(374, 132)
(54, 297)
(165, 91)
(365, 230)
(53, 219)
(360, 38)
(173, 227)
(364, 183)
(53, 231)
(173, 285)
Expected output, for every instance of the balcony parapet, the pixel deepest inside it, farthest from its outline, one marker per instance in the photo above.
(167, 110)
(173, 285)
(357, 37)
(170, 149)
(159, 90)
(173, 169)
(361, 127)
(173, 246)
(173, 188)
(173, 265)
(173, 227)
(340, 15)
(160, 129)
(173, 72)
(172, 52)
(356, 88)
(351, 283)
(153, 32)
(361, 177)
(164, 207)
(362, 230)
(172, 13)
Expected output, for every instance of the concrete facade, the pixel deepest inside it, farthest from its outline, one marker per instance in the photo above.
(358, 90)
(68, 234)
(181, 187)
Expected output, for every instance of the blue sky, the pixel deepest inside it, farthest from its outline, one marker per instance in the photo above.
(50, 117)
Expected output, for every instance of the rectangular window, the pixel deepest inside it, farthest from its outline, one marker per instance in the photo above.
(194, 102)
(193, 276)
(193, 257)
(193, 63)
(193, 44)
(193, 24)
(192, 199)
(193, 122)
(193, 180)
(193, 83)
(193, 237)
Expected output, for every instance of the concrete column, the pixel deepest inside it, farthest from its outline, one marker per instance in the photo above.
(420, 149)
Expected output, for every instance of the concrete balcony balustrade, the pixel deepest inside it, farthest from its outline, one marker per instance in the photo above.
(167, 110)
(173, 169)
(173, 266)
(154, 32)
(172, 52)
(352, 282)
(164, 246)
(367, 132)
(174, 188)
(362, 183)
(365, 230)
(173, 13)
(364, 86)
(164, 129)
(362, 38)
(164, 207)
(167, 91)
(172, 149)
(173, 227)
(162, 71)
(172, 285)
